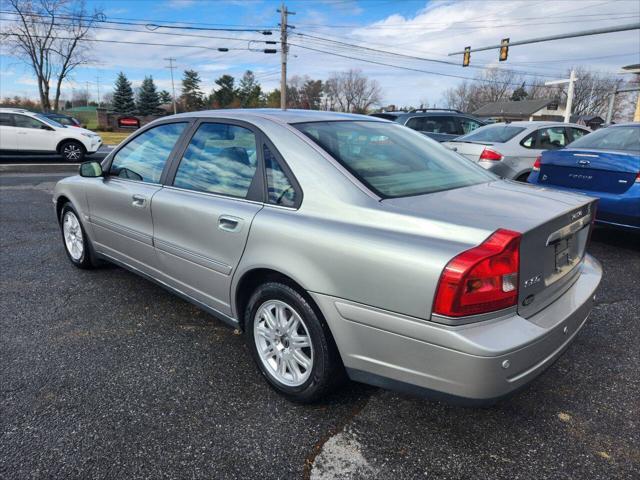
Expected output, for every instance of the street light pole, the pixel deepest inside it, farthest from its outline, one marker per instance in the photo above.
(173, 86)
(571, 81)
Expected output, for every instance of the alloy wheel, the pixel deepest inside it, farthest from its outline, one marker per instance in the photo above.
(283, 343)
(72, 151)
(72, 233)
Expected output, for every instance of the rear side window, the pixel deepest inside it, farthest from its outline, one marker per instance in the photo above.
(6, 120)
(23, 121)
(220, 158)
(393, 161)
(280, 188)
(552, 138)
(612, 138)
(468, 125)
(144, 157)
(497, 133)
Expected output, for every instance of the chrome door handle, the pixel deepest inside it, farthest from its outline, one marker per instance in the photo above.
(229, 223)
(138, 200)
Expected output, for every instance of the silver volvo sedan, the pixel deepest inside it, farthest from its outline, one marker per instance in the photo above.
(343, 246)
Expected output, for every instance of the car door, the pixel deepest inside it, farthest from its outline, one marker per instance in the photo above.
(8, 133)
(120, 203)
(203, 215)
(34, 135)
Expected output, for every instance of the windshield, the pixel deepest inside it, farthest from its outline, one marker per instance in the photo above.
(394, 161)
(496, 133)
(614, 138)
(49, 121)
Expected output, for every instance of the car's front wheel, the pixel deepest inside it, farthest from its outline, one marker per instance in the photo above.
(72, 151)
(291, 343)
(76, 242)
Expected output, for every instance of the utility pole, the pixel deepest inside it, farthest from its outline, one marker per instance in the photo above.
(571, 80)
(87, 85)
(173, 86)
(98, 88)
(284, 50)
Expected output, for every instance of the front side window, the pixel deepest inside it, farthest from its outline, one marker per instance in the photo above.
(577, 133)
(22, 121)
(393, 161)
(144, 157)
(552, 138)
(469, 125)
(220, 159)
(612, 138)
(281, 190)
(496, 133)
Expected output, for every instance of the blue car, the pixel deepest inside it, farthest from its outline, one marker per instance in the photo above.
(603, 164)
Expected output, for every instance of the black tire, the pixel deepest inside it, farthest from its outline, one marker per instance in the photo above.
(327, 371)
(523, 178)
(87, 259)
(72, 151)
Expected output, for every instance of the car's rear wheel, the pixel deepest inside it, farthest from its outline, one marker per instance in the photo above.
(291, 343)
(76, 242)
(523, 177)
(72, 151)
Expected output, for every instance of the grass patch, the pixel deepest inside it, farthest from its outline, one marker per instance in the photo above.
(113, 138)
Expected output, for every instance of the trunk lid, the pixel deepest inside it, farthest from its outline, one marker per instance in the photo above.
(591, 170)
(554, 226)
(470, 150)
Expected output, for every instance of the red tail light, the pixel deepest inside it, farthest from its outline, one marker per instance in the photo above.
(489, 154)
(536, 164)
(482, 279)
(638, 178)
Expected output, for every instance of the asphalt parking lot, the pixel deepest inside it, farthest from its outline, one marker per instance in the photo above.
(105, 375)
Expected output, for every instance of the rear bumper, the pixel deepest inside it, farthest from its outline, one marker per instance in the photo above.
(471, 364)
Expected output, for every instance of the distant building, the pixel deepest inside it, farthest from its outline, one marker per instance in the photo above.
(593, 122)
(510, 111)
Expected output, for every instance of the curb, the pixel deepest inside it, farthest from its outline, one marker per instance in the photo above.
(70, 168)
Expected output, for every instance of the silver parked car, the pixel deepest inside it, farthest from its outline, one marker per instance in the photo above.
(343, 245)
(510, 149)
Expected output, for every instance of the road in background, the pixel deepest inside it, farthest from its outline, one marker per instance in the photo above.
(106, 375)
(102, 152)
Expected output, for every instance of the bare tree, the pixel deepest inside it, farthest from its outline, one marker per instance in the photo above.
(50, 36)
(351, 91)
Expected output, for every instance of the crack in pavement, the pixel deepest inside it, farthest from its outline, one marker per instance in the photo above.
(333, 432)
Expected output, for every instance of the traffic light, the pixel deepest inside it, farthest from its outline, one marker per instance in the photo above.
(504, 49)
(467, 57)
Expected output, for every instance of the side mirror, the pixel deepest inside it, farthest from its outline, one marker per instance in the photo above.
(91, 170)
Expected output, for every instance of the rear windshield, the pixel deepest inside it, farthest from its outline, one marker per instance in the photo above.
(394, 161)
(615, 138)
(496, 133)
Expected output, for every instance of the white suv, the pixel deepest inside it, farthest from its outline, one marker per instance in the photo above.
(22, 131)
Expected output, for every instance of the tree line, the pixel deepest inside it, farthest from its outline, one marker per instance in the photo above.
(592, 91)
(349, 91)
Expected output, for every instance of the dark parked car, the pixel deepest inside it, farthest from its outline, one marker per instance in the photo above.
(65, 120)
(439, 123)
(603, 164)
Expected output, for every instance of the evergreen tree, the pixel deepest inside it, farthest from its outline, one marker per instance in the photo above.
(226, 93)
(249, 92)
(192, 97)
(165, 97)
(148, 99)
(123, 96)
(519, 94)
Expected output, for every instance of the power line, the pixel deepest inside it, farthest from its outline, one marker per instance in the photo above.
(411, 57)
(498, 82)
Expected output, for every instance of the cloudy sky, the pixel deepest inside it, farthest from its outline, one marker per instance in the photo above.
(428, 30)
